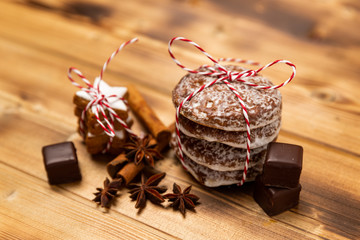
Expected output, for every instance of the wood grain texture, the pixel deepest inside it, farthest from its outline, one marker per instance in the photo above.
(34, 210)
(40, 39)
(316, 84)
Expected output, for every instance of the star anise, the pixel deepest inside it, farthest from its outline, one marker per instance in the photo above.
(182, 200)
(148, 189)
(142, 148)
(105, 196)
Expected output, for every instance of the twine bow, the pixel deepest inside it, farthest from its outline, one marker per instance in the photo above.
(225, 76)
(100, 102)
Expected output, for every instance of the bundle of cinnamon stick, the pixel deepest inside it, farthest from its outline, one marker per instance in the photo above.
(120, 167)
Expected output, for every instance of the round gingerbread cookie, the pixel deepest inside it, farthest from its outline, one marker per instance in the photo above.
(210, 177)
(218, 156)
(260, 136)
(218, 107)
(213, 178)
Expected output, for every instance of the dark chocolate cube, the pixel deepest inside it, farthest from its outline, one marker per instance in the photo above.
(61, 163)
(275, 200)
(282, 165)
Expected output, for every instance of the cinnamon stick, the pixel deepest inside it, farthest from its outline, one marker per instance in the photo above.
(148, 117)
(129, 172)
(120, 167)
(116, 165)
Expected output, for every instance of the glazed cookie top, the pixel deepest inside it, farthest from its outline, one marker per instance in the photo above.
(114, 102)
(218, 107)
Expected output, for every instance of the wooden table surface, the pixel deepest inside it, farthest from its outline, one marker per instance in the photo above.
(41, 39)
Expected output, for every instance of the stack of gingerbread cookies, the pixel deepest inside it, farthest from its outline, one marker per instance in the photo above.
(213, 129)
(96, 140)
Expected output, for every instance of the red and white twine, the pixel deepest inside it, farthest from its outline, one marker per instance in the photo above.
(225, 76)
(99, 102)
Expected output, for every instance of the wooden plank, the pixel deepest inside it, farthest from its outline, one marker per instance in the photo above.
(93, 176)
(184, 16)
(322, 211)
(36, 109)
(31, 86)
(316, 87)
(35, 210)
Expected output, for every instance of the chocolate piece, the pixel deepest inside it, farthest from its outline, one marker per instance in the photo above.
(61, 163)
(283, 165)
(275, 200)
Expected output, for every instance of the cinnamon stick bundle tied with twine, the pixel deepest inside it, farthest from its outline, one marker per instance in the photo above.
(120, 166)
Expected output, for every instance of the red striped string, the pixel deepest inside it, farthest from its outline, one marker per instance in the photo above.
(99, 103)
(226, 77)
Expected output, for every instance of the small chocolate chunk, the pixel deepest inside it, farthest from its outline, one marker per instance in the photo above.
(61, 163)
(275, 200)
(282, 165)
